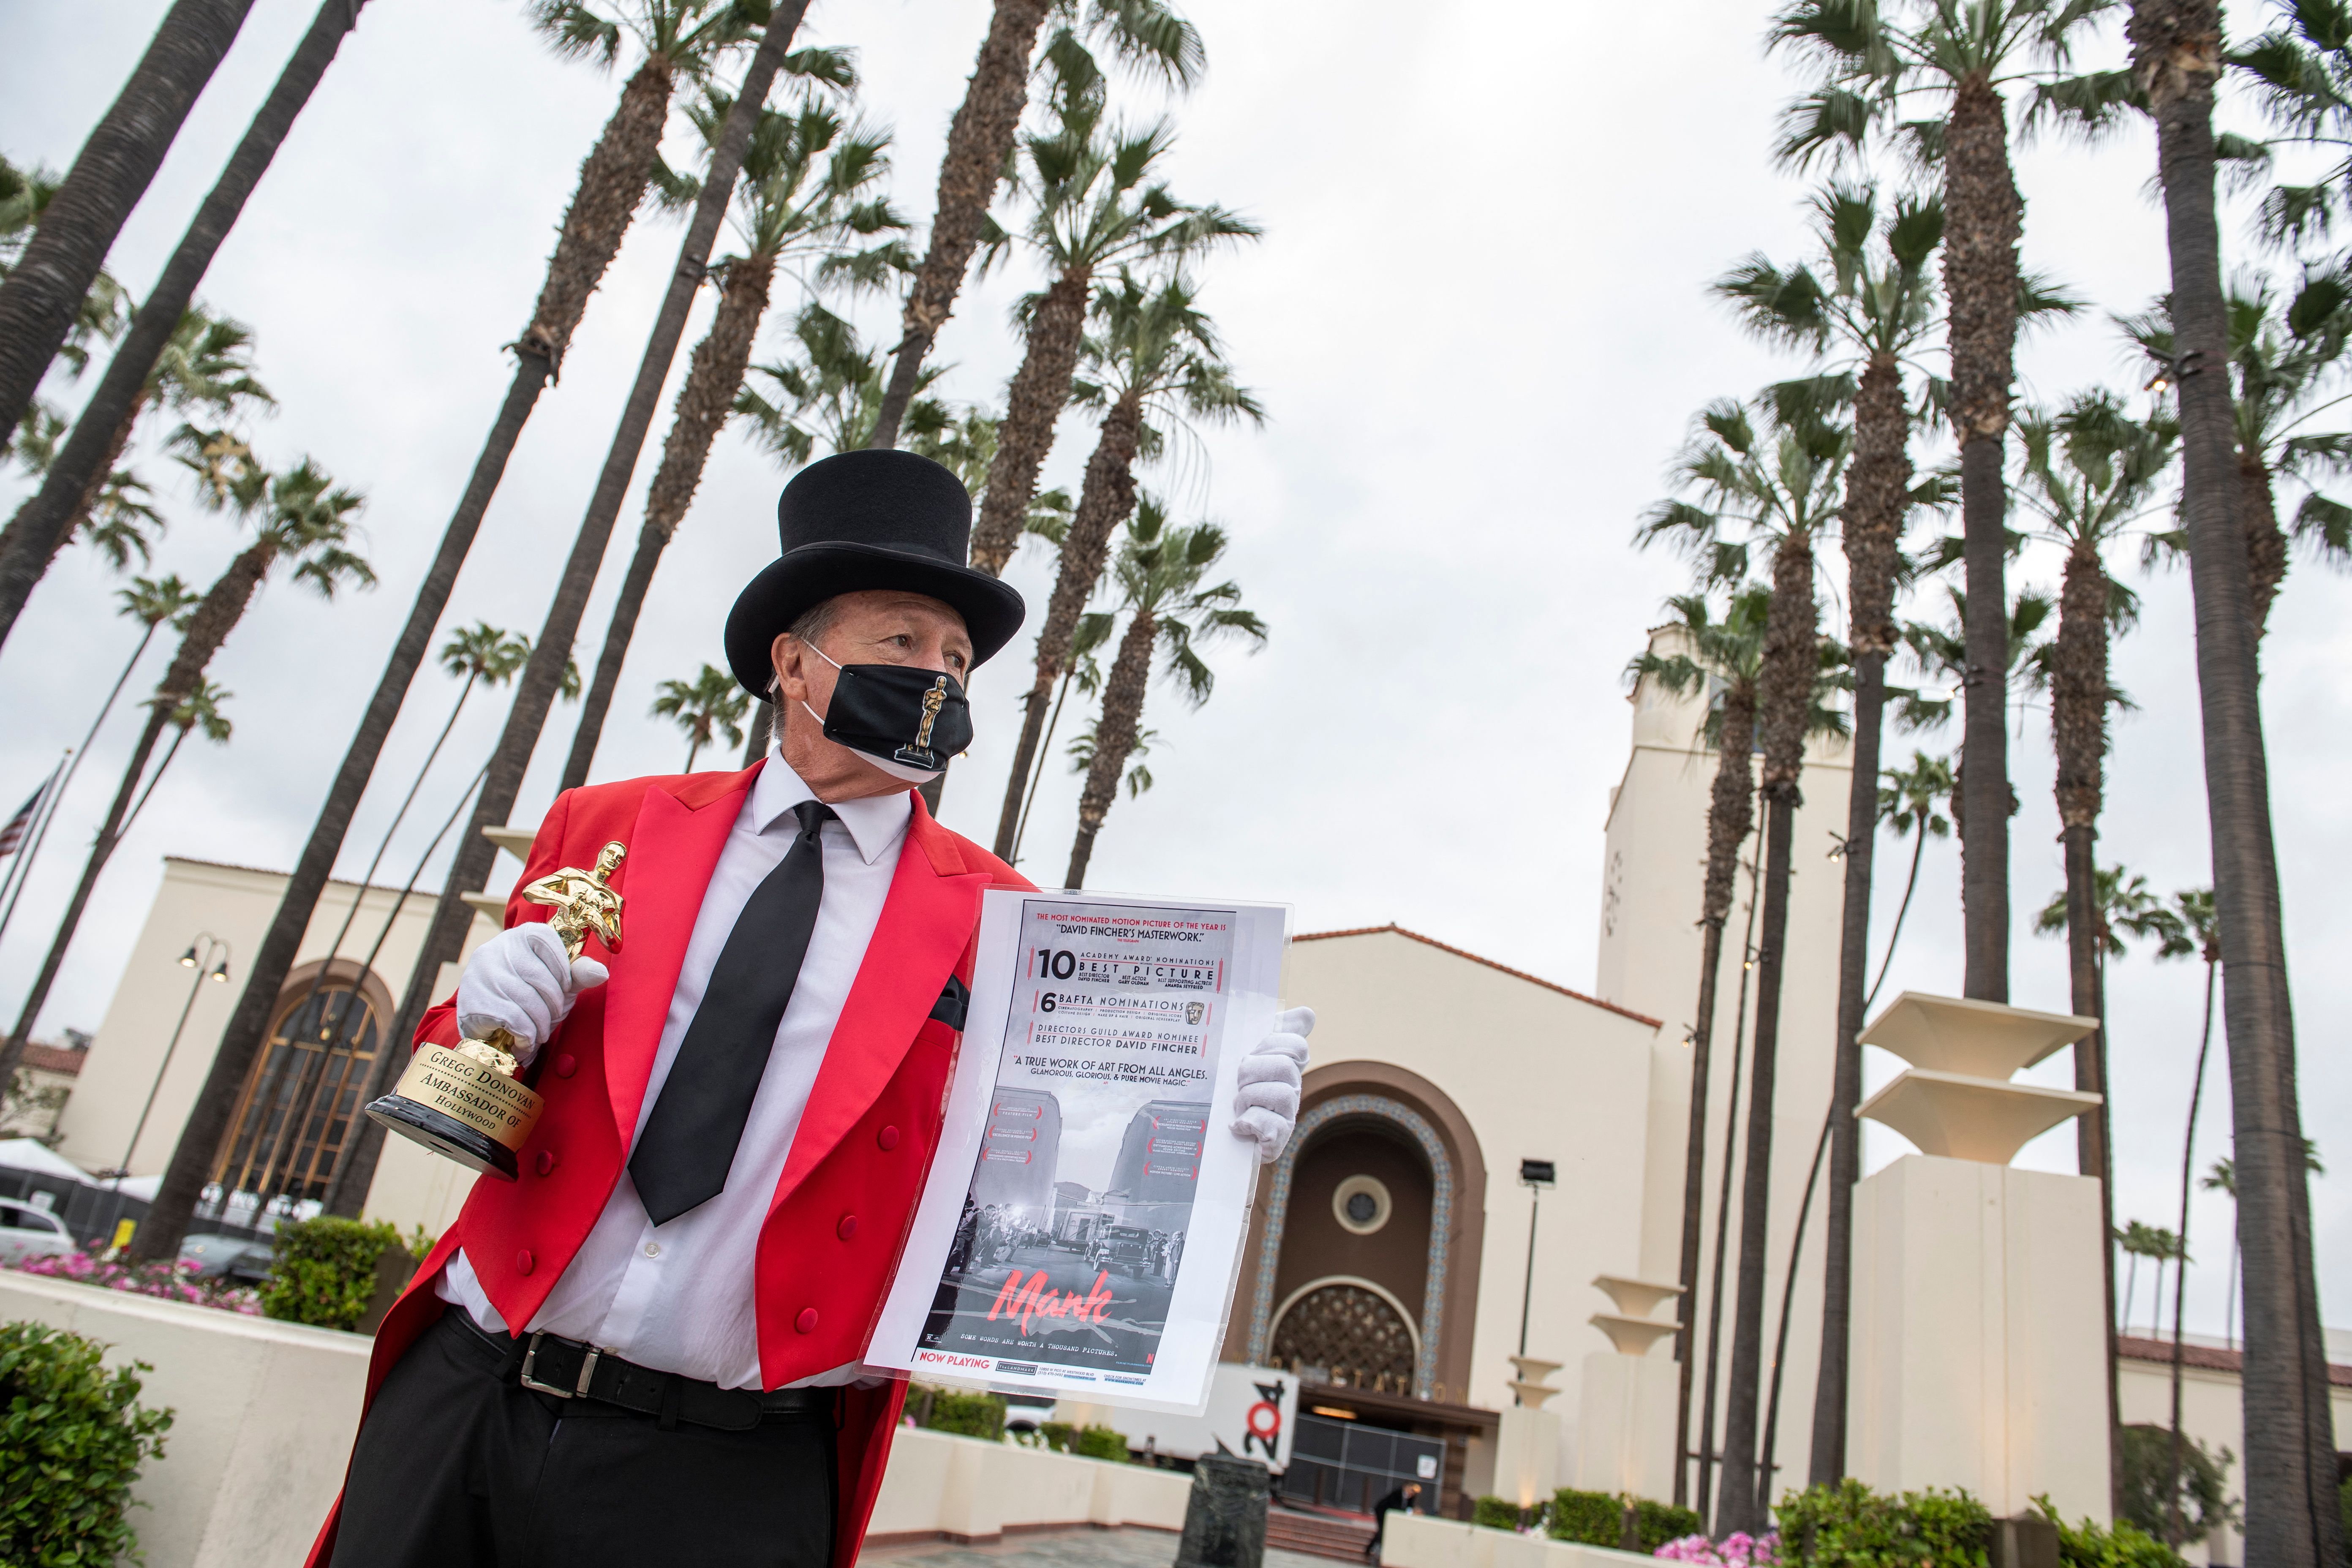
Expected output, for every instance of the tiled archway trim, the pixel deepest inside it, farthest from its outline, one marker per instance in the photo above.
(1441, 1224)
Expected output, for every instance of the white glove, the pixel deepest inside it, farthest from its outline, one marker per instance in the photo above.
(1265, 1105)
(523, 982)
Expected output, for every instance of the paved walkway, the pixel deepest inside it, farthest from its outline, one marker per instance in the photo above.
(1077, 1548)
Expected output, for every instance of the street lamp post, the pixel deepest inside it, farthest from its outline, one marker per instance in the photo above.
(208, 956)
(1535, 1175)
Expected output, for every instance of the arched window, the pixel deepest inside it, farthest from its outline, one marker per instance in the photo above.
(304, 1091)
(1347, 1332)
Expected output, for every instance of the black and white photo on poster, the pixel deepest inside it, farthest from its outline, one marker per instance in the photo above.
(1082, 1220)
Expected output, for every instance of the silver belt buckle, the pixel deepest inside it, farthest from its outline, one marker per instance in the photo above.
(530, 1358)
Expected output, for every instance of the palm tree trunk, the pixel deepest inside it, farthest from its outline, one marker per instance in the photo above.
(978, 139)
(1032, 407)
(84, 504)
(2266, 558)
(1766, 1466)
(1876, 498)
(1894, 936)
(214, 616)
(713, 377)
(110, 173)
(2079, 697)
(2176, 1531)
(48, 519)
(1104, 501)
(758, 731)
(1730, 817)
(1785, 689)
(1709, 1455)
(1980, 282)
(2291, 1512)
(1120, 721)
(612, 182)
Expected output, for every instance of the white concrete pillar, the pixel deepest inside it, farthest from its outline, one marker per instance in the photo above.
(1625, 1424)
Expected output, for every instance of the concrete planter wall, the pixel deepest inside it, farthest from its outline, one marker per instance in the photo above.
(968, 1488)
(263, 1414)
(1418, 1540)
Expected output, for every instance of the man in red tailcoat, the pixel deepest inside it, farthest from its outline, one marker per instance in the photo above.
(648, 1348)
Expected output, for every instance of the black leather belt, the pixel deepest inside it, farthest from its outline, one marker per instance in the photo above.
(548, 1363)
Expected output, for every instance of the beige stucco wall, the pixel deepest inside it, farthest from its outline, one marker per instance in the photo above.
(237, 905)
(1653, 868)
(1538, 1075)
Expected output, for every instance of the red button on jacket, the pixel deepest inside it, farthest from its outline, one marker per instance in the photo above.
(548, 1161)
(847, 1227)
(887, 1139)
(522, 1261)
(565, 1066)
(806, 1321)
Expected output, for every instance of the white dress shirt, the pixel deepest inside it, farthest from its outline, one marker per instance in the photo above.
(678, 1297)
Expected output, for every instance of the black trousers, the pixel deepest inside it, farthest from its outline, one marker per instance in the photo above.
(455, 1468)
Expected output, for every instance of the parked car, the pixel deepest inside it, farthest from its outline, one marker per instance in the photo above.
(232, 1258)
(27, 1231)
(1124, 1248)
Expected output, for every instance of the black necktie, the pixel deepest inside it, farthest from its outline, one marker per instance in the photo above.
(682, 1158)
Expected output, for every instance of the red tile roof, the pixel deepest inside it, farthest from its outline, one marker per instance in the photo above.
(2209, 1358)
(39, 1058)
(1475, 958)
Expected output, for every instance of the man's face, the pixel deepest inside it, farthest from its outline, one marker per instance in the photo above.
(871, 626)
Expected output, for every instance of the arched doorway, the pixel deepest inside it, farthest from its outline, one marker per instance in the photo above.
(300, 1098)
(1352, 1281)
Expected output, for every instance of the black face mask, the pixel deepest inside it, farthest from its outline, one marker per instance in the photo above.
(909, 721)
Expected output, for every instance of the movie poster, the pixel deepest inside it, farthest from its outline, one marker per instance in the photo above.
(1081, 1227)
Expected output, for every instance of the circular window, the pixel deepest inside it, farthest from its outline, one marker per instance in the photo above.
(1361, 1203)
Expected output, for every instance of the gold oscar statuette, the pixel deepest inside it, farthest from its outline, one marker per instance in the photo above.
(465, 1101)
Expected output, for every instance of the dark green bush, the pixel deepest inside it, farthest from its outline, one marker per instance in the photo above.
(1849, 1524)
(2091, 1544)
(324, 1273)
(970, 1415)
(1594, 1519)
(71, 1442)
(1655, 1523)
(1100, 1443)
(1496, 1513)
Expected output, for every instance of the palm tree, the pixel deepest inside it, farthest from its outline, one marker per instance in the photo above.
(24, 196)
(1170, 615)
(1777, 485)
(1721, 658)
(207, 365)
(1868, 315)
(2281, 357)
(1154, 353)
(1872, 60)
(2293, 1516)
(1906, 802)
(84, 463)
(151, 601)
(681, 38)
(1085, 672)
(1096, 201)
(300, 520)
(2195, 907)
(709, 705)
(806, 195)
(1144, 34)
(199, 709)
(47, 286)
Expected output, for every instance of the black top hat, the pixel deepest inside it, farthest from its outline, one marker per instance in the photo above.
(872, 519)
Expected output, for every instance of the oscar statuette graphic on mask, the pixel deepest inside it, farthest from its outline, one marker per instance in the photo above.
(465, 1101)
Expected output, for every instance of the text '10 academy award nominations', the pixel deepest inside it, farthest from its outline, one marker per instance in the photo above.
(1082, 1225)
(466, 1102)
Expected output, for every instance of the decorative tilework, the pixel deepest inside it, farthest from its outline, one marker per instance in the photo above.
(1441, 1223)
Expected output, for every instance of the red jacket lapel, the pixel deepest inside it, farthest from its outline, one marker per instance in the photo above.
(927, 922)
(673, 850)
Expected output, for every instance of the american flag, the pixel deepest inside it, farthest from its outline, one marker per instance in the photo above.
(14, 834)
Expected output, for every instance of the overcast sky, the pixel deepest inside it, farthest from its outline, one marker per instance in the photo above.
(1478, 323)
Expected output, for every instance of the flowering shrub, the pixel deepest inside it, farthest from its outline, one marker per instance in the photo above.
(1737, 1550)
(173, 1281)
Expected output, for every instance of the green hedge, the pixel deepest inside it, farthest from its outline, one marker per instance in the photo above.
(1655, 1523)
(1850, 1526)
(1086, 1442)
(1592, 1518)
(1496, 1513)
(970, 1415)
(71, 1442)
(2094, 1545)
(325, 1271)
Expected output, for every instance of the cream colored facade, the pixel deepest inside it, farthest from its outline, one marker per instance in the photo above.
(199, 900)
